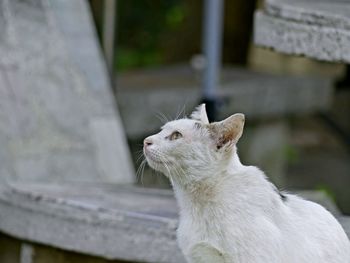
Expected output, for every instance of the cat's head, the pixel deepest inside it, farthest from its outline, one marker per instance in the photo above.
(193, 146)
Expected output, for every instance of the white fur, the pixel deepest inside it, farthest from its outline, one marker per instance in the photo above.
(230, 212)
(200, 114)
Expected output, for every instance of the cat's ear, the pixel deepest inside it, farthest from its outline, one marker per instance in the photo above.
(200, 114)
(228, 130)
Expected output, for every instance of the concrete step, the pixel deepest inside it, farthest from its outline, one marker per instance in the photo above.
(107, 221)
(315, 29)
(145, 93)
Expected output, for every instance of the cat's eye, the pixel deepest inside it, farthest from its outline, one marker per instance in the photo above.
(175, 135)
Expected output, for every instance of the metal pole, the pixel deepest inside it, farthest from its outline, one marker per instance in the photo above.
(108, 32)
(212, 45)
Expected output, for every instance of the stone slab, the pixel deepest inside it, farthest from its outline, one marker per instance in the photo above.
(329, 13)
(142, 95)
(111, 222)
(316, 29)
(55, 97)
(105, 220)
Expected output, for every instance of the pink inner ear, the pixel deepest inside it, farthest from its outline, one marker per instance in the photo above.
(228, 130)
(225, 138)
(229, 135)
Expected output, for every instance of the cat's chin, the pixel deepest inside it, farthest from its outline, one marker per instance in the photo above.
(156, 164)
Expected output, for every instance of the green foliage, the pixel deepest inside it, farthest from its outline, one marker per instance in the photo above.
(142, 27)
(291, 153)
(175, 16)
(132, 58)
(327, 190)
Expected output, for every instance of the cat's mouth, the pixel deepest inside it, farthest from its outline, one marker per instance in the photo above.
(151, 158)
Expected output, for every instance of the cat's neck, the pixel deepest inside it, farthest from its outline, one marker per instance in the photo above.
(210, 186)
(235, 188)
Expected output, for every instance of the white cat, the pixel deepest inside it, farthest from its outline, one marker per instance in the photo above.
(230, 212)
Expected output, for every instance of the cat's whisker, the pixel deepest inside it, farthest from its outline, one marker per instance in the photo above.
(182, 170)
(139, 157)
(167, 167)
(165, 162)
(143, 172)
(140, 170)
(184, 111)
(178, 172)
(140, 150)
(161, 116)
(181, 112)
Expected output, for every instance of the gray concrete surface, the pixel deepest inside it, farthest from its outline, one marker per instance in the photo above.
(108, 221)
(58, 120)
(326, 168)
(265, 146)
(144, 94)
(319, 30)
(345, 222)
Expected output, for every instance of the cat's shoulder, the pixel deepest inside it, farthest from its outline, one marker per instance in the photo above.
(251, 173)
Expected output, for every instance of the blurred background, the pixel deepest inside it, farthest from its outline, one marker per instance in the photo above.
(158, 47)
(83, 82)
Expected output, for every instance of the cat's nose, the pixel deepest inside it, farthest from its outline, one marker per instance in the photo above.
(147, 142)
